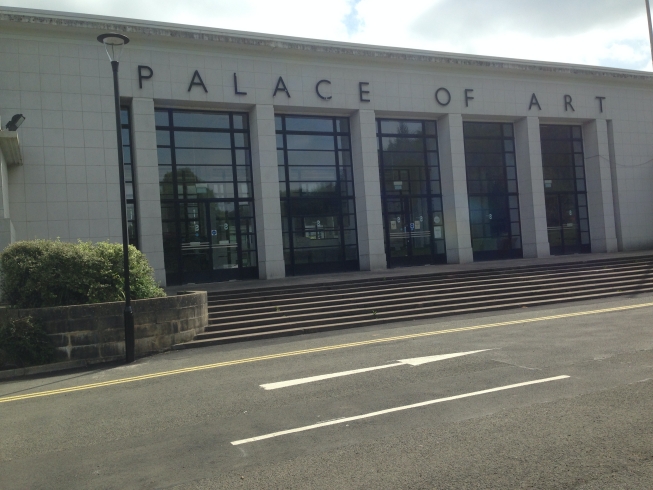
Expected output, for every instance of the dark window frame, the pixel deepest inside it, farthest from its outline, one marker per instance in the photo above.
(132, 203)
(510, 197)
(179, 200)
(571, 138)
(339, 196)
(431, 195)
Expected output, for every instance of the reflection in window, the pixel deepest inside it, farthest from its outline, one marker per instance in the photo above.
(564, 189)
(492, 190)
(409, 166)
(130, 191)
(207, 209)
(317, 194)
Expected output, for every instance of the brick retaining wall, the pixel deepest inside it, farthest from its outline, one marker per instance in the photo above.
(97, 332)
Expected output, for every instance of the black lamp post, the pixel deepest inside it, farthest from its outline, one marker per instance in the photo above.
(114, 44)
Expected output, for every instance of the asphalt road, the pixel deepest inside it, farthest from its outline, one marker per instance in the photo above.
(558, 398)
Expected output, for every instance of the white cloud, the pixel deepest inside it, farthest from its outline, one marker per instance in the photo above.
(600, 32)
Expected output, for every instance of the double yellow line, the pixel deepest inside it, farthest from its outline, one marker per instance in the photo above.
(311, 351)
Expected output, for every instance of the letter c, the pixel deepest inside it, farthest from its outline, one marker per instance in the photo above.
(317, 89)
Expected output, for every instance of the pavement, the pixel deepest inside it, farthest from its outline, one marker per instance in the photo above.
(547, 397)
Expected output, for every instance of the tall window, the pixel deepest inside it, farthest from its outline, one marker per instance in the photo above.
(130, 191)
(492, 190)
(317, 194)
(207, 206)
(564, 189)
(413, 222)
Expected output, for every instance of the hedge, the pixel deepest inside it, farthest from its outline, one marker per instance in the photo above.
(44, 273)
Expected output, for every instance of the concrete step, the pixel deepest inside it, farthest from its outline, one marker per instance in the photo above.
(248, 302)
(422, 307)
(387, 294)
(365, 322)
(270, 312)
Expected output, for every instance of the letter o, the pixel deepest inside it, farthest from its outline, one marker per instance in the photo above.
(437, 96)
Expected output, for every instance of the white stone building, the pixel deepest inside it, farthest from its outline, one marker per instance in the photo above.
(262, 156)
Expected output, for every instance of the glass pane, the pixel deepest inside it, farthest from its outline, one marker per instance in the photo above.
(481, 130)
(200, 139)
(241, 140)
(554, 132)
(240, 121)
(164, 156)
(309, 124)
(243, 157)
(196, 156)
(401, 127)
(402, 144)
(205, 174)
(324, 158)
(310, 142)
(163, 138)
(161, 118)
(200, 120)
(312, 173)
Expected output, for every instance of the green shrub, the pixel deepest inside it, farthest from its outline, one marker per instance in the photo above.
(23, 343)
(41, 273)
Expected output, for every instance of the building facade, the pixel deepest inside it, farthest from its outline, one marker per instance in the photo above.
(253, 155)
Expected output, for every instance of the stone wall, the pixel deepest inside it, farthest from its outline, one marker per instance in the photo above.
(96, 332)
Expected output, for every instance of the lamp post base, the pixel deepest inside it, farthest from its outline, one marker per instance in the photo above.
(129, 335)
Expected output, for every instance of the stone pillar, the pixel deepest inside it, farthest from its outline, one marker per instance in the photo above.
(532, 207)
(598, 177)
(265, 176)
(146, 182)
(457, 232)
(369, 213)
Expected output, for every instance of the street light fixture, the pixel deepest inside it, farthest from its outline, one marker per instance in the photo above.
(114, 44)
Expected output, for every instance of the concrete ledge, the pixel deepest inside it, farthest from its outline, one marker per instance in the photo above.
(95, 333)
(10, 148)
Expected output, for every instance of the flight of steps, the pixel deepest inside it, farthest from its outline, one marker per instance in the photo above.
(273, 312)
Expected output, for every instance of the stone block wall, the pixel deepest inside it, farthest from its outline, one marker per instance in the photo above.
(96, 331)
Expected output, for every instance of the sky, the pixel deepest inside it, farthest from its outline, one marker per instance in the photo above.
(611, 33)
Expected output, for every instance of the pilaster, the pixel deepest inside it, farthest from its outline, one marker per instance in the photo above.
(455, 204)
(146, 183)
(532, 206)
(598, 178)
(267, 205)
(367, 187)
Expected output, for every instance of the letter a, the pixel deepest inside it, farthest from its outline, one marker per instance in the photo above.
(281, 85)
(199, 81)
(534, 102)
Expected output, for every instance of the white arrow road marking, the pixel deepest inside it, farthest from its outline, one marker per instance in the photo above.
(396, 409)
(412, 362)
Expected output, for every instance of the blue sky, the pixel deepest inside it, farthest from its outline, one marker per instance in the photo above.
(595, 32)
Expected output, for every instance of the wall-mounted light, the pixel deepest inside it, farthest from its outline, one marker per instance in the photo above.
(15, 122)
